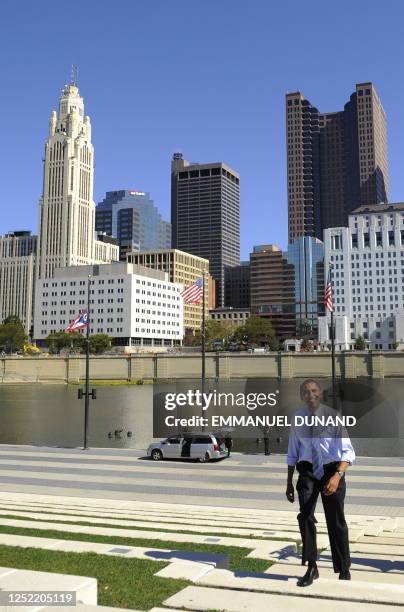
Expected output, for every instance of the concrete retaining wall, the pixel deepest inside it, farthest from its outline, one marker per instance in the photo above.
(222, 366)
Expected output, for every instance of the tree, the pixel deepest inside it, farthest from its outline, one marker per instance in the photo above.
(12, 334)
(218, 330)
(13, 320)
(258, 330)
(274, 344)
(99, 343)
(60, 340)
(360, 344)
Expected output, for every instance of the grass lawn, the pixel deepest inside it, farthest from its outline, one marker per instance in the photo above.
(238, 560)
(122, 583)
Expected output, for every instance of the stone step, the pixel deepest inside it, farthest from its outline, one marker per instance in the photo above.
(267, 532)
(165, 610)
(192, 509)
(28, 580)
(361, 561)
(157, 554)
(84, 608)
(277, 521)
(292, 572)
(392, 594)
(148, 535)
(185, 570)
(376, 549)
(381, 539)
(157, 525)
(203, 598)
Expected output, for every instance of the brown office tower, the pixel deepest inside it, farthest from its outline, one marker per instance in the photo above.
(205, 215)
(336, 161)
(272, 287)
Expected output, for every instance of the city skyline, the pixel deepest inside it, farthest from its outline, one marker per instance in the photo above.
(242, 102)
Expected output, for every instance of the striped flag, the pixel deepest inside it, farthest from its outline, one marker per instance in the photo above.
(328, 296)
(193, 293)
(80, 321)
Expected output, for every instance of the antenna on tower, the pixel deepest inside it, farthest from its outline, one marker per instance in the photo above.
(74, 74)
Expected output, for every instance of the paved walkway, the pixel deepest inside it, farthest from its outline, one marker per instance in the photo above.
(375, 485)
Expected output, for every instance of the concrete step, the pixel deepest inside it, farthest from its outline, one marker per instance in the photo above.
(293, 572)
(28, 580)
(392, 594)
(360, 561)
(203, 598)
(185, 570)
(264, 545)
(154, 554)
(375, 549)
(286, 532)
(246, 532)
(381, 539)
(84, 608)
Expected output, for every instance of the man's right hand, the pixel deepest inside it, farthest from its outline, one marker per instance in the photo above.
(290, 492)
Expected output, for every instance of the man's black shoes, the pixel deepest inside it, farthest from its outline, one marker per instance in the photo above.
(310, 575)
(345, 575)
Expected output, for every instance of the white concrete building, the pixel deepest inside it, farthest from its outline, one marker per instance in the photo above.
(17, 276)
(137, 306)
(367, 260)
(66, 208)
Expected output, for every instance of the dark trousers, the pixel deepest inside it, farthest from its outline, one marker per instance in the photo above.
(308, 489)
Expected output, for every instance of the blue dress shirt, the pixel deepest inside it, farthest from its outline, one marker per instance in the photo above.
(333, 441)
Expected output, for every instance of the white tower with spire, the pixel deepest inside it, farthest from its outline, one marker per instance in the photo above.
(66, 208)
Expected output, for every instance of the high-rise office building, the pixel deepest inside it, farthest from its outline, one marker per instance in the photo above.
(237, 286)
(336, 161)
(288, 288)
(306, 254)
(132, 217)
(367, 267)
(272, 289)
(66, 208)
(17, 276)
(182, 268)
(205, 215)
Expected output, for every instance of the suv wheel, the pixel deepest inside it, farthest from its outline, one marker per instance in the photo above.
(205, 459)
(156, 454)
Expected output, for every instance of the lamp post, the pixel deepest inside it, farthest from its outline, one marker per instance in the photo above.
(87, 393)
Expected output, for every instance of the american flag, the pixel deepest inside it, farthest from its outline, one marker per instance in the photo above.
(328, 297)
(193, 293)
(80, 321)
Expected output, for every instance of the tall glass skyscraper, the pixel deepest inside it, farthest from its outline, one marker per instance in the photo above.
(132, 218)
(306, 254)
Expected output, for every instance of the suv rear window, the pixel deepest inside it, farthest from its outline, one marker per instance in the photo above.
(202, 440)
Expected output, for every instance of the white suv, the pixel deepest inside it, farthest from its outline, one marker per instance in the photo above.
(201, 446)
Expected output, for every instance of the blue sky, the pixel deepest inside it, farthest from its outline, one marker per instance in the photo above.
(205, 78)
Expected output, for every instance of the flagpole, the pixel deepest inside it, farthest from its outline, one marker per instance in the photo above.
(334, 396)
(203, 338)
(87, 385)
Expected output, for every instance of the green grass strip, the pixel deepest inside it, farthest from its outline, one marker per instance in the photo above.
(238, 560)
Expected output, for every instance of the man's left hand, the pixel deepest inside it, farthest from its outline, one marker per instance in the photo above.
(332, 485)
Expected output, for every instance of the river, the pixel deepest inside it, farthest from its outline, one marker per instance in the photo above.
(122, 416)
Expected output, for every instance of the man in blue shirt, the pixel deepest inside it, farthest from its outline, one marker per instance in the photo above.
(321, 454)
